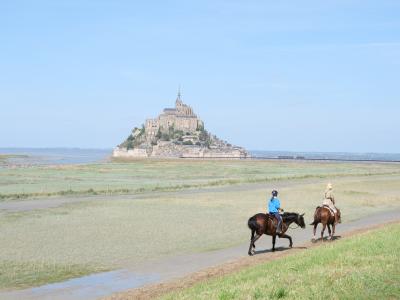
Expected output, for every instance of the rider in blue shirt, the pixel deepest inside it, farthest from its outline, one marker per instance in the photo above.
(274, 207)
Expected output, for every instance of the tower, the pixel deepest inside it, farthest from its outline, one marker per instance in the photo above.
(178, 101)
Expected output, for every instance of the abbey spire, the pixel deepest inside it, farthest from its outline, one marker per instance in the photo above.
(178, 101)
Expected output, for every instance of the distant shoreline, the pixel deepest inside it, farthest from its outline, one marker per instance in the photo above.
(293, 159)
(327, 159)
(50, 156)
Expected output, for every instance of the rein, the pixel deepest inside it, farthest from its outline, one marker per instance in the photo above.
(293, 227)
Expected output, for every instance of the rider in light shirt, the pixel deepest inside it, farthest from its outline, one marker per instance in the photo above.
(329, 200)
(274, 207)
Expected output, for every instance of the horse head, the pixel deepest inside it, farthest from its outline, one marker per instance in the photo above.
(300, 221)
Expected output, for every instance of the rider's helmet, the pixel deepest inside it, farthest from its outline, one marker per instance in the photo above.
(274, 193)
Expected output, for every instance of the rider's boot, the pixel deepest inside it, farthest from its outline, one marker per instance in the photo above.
(279, 228)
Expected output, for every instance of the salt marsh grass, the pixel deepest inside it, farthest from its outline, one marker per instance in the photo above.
(171, 175)
(54, 244)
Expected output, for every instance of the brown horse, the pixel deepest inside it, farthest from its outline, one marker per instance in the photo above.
(266, 224)
(324, 216)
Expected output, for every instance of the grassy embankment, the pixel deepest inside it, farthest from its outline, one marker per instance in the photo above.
(172, 175)
(55, 244)
(366, 266)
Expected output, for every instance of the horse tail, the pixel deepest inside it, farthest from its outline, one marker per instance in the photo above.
(253, 225)
(317, 216)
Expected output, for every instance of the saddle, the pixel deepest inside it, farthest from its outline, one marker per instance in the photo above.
(272, 217)
(330, 210)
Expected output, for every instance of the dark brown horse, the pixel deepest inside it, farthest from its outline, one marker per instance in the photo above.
(324, 216)
(266, 224)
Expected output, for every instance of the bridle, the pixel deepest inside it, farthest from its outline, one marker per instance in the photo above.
(298, 226)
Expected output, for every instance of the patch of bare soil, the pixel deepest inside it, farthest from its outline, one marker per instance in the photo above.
(157, 290)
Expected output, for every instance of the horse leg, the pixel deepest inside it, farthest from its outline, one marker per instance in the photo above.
(273, 243)
(333, 230)
(329, 231)
(315, 232)
(289, 238)
(322, 231)
(253, 240)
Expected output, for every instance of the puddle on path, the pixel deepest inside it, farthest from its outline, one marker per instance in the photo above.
(89, 287)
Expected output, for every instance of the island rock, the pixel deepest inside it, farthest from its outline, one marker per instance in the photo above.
(176, 133)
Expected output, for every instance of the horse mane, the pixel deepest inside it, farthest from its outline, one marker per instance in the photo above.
(289, 216)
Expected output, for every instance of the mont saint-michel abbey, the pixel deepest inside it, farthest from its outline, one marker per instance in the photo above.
(181, 118)
(176, 133)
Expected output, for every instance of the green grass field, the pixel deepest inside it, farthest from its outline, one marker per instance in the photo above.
(54, 244)
(147, 176)
(366, 266)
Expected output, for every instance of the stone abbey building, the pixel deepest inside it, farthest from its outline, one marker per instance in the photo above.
(181, 118)
(176, 133)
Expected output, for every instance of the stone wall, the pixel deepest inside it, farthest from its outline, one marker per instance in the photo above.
(131, 153)
(171, 150)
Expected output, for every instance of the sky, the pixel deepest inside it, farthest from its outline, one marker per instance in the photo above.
(265, 75)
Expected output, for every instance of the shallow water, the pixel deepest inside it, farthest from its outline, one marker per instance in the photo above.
(55, 156)
(88, 287)
(62, 156)
(328, 155)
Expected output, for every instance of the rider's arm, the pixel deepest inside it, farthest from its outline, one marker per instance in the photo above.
(278, 205)
(333, 199)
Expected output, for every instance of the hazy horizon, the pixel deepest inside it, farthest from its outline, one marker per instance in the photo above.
(315, 77)
(2, 150)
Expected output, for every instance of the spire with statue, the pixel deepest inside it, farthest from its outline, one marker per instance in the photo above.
(178, 101)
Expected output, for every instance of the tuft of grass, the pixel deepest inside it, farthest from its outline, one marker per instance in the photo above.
(279, 293)
(258, 294)
(226, 295)
(366, 266)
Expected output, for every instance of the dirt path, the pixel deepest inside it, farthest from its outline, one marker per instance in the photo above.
(153, 278)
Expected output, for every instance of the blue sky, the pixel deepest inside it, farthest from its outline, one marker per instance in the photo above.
(267, 75)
